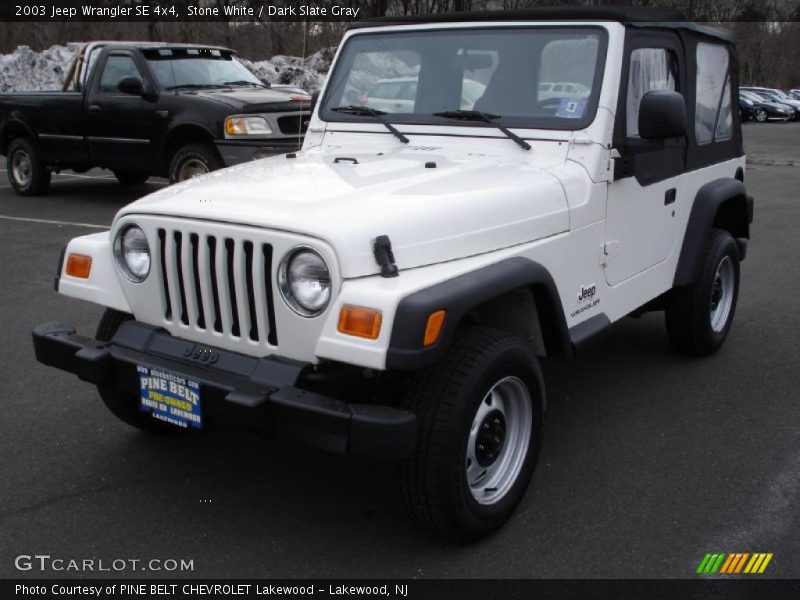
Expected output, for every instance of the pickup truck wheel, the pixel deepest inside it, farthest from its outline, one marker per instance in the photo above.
(480, 414)
(699, 316)
(131, 177)
(126, 406)
(27, 175)
(193, 160)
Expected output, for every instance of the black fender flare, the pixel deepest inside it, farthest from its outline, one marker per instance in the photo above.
(174, 130)
(14, 121)
(705, 209)
(461, 294)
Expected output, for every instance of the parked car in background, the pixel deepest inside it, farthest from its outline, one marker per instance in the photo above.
(399, 95)
(765, 109)
(795, 94)
(142, 109)
(749, 111)
(549, 90)
(778, 96)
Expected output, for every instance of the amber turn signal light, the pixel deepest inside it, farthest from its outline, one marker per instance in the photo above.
(360, 322)
(79, 265)
(433, 328)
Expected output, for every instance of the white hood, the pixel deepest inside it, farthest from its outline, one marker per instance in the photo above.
(468, 204)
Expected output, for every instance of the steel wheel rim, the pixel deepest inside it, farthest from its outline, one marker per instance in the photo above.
(492, 468)
(194, 167)
(21, 168)
(722, 294)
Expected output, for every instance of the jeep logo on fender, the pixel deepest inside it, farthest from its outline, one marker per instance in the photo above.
(587, 292)
(201, 354)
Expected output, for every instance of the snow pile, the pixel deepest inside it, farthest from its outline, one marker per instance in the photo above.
(292, 70)
(25, 70)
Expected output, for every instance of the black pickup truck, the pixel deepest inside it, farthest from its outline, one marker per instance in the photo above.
(142, 109)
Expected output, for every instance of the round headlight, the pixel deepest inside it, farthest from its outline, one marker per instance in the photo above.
(132, 253)
(305, 281)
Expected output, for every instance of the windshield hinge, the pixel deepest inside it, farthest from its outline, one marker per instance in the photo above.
(608, 252)
(382, 249)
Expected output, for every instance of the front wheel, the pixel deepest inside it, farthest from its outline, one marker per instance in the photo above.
(480, 414)
(27, 175)
(699, 315)
(761, 115)
(193, 160)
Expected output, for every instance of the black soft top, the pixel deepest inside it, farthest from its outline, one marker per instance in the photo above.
(629, 16)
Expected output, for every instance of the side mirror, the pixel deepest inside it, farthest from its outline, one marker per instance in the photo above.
(131, 85)
(662, 115)
(265, 82)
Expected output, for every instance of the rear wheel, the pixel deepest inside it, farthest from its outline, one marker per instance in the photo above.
(193, 160)
(26, 173)
(480, 415)
(131, 177)
(699, 316)
(125, 406)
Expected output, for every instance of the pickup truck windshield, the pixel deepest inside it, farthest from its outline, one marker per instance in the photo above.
(190, 68)
(531, 77)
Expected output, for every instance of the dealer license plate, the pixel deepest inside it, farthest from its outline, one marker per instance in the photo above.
(170, 397)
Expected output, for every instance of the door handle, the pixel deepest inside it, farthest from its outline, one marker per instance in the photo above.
(669, 196)
(94, 108)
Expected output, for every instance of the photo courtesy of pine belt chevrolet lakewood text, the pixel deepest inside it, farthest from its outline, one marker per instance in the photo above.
(475, 192)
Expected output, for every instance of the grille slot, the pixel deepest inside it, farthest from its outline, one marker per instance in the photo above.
(219, 284)
(294, 124)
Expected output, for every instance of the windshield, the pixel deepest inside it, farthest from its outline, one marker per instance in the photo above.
(534, 77)
(198, 67)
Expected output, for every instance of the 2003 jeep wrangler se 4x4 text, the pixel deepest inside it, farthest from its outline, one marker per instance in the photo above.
(475, 191)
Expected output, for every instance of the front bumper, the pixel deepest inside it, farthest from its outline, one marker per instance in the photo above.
(237, 390)
(234, 152)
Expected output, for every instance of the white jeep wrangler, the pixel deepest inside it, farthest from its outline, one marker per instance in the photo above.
(389, 290)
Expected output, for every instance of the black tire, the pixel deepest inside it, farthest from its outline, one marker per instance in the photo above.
(204, 155)
(690, 310)
(761, 115)
(446, 398)
(126, 406)
(131, 177)
(26, 173)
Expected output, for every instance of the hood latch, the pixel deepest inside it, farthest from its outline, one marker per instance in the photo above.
(382, 249)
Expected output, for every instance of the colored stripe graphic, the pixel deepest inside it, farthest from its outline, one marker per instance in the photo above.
(711, 563)
(765, 563)
(734, 563)
(727, 564)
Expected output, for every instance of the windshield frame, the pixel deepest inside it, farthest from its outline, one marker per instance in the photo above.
(550, 123)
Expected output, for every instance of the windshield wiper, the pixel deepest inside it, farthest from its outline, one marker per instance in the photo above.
(366, 111)
(476, 115)
(244, 82)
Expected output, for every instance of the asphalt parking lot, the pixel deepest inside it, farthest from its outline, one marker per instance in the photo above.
(650, 459)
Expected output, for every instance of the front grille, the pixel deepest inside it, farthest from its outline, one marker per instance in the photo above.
(294, 124)
(218, 284)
